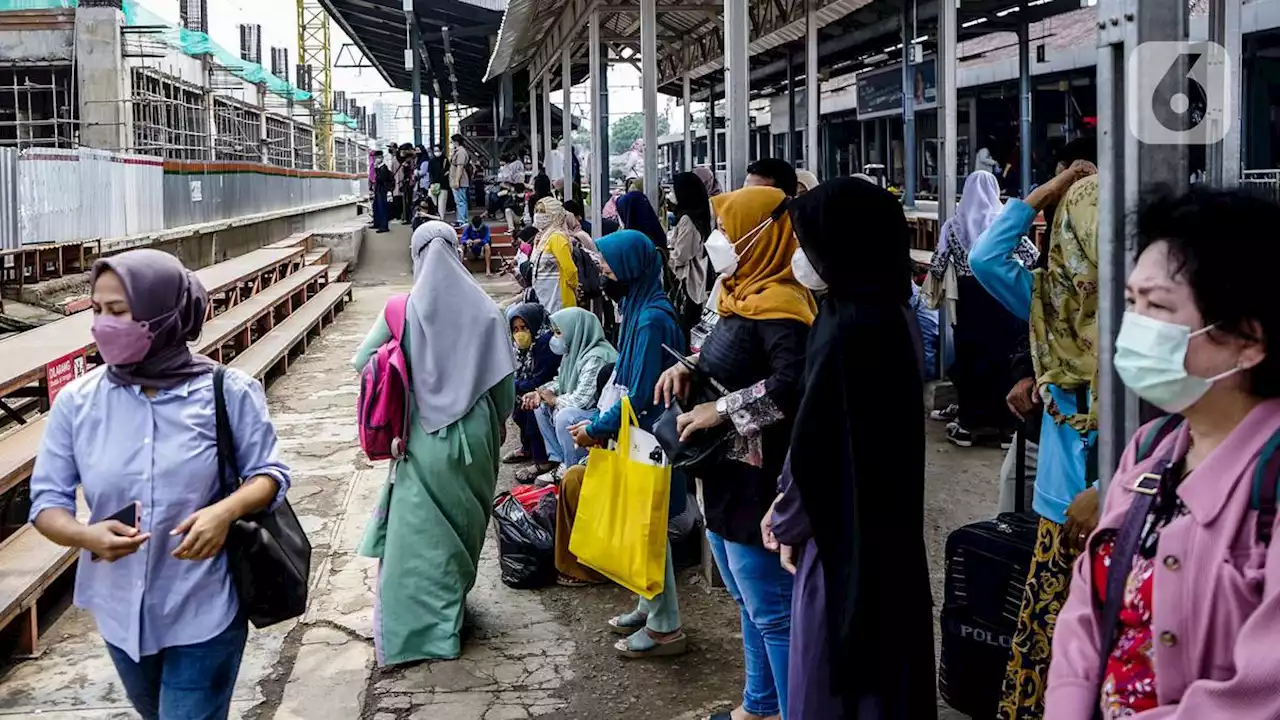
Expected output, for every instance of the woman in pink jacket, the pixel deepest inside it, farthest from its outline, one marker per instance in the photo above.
(1180, 586)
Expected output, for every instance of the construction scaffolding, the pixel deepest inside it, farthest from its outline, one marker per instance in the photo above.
(38, 106)
(280, 142)
(238, 127)
(170, 117)
(313, 51)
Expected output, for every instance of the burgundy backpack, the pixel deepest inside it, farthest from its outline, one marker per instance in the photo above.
(384, 392)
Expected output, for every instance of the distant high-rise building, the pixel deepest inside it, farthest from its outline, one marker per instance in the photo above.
(251, 43)
(385, 113)
(194, 15)
(304, 78)
(280, 63)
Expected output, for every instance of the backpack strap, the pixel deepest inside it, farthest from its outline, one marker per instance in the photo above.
(394, 315)
(1160, 430)
(1263, 497)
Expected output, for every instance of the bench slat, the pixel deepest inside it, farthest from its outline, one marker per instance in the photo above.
(18, 453)
(273, 346)
(222, 327)
(29, 563)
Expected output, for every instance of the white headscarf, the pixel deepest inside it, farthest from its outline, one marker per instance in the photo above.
(979, 206)
(459, 341)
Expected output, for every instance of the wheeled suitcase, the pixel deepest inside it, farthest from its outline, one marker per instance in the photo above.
(987, 566)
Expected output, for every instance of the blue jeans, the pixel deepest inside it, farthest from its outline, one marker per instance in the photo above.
(461, 201)
(555, 433)
(185, 682)
(762, 589)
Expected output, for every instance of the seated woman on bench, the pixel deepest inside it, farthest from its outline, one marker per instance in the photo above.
(138, 437)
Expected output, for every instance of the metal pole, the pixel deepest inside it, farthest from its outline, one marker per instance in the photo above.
(1024, 108)
(415, 47)
(737, 63)
(535, 149)
(711, 135)
(908, 109)
(948, 116)
(1223, 158)
(649, 87)
(789, 147)
(855, 167)
(602, 162)
(688, 126)
(546, 117)
(566, 117)
(431, 120)
(598, 170)
(812, 89)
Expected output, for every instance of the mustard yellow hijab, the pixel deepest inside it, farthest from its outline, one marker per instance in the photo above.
(1064, 305)
(763, 287)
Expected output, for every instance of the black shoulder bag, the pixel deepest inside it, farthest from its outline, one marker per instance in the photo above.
(268, 554)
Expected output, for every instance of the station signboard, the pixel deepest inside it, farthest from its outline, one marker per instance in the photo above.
(880, 91)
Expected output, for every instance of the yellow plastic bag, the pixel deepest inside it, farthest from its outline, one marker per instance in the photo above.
(620, 529)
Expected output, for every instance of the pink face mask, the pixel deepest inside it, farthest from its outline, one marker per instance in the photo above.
(121, 342)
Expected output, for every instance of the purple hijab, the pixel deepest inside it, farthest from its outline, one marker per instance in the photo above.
(164, 294)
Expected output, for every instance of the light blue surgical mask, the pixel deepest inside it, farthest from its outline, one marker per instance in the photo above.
(557, 344)
(1151, 360)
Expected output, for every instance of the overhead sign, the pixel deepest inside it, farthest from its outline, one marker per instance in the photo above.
(880, 91)
(60, 372)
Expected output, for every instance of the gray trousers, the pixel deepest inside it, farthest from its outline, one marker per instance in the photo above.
(1008, 476)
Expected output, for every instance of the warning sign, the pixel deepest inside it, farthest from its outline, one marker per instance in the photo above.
(62, 371)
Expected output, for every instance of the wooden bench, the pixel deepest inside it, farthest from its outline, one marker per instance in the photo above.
(289, 338)
(236, 324)
(319, 256)
(302, 240)
(339, 272)
(29, 564)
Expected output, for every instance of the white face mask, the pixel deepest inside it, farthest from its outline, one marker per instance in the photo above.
(724, 255)
(804, 272)
(1151, 359)
(541, 221)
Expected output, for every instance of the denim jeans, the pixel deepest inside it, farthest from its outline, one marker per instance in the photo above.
(185, 682)
(555, 433)
(756, 581)
(462, 202)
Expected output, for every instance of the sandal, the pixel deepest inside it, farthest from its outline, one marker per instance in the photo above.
(516, 457)
(529, 474)
(628, 623)
(570, 581)
(641, 644)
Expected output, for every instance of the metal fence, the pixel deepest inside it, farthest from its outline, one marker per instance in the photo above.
(1263, 182)
(85, 193)
(8, 198)
(214, 192)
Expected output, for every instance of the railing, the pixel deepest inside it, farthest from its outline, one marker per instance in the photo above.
(1265, 182)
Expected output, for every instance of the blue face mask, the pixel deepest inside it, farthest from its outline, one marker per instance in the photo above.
(557, 344)
(1151, 359)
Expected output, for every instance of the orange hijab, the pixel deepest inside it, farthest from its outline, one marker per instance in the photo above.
(763, 287)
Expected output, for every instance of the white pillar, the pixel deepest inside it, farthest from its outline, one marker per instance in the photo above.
(566, 157)
(1223, 158)
(649, 86)
(948, 112)
(737, 63)
(535, 154)
(688, 126)
(812, 91)
(546, 116)
(598, 152)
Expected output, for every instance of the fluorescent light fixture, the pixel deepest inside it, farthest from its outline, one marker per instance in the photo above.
(921, 39)
(1008, 11)
(971, 23)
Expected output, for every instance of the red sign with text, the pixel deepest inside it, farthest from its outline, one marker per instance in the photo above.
(62, 371)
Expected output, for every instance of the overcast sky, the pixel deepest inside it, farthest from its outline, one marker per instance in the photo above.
(279, 20)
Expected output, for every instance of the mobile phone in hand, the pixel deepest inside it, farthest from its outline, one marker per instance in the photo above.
(127, 515)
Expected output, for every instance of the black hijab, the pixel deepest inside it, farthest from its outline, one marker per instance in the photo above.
(692, 201)
(863, 396)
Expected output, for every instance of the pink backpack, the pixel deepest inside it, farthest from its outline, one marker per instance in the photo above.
(384, 392)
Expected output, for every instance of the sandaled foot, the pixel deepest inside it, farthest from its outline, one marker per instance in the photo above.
(628, 623)
(515, 457)
(570, 581)
(644, 644)
(529, 474)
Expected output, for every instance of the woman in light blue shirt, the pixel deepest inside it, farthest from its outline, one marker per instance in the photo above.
(140, 431)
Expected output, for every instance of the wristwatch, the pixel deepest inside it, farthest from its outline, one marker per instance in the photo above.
(722, 407)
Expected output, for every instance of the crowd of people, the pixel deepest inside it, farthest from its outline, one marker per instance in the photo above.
(791, 344)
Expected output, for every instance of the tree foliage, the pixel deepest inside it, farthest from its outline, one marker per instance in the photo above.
(629, 128)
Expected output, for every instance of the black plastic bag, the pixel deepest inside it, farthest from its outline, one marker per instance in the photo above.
(526, 542)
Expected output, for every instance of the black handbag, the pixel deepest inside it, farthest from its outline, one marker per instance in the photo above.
(268, 554)
(704, 449)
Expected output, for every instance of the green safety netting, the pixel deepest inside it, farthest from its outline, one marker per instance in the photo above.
(36, 4)
(344, 119)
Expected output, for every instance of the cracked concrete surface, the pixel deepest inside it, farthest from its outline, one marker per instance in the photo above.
(526, 654)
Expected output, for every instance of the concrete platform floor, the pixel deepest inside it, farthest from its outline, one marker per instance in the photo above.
(529, 653)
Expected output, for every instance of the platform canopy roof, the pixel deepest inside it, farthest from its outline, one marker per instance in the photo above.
(456, 37)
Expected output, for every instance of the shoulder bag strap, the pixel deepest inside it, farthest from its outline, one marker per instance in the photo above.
(228, 472)
(1265, 479)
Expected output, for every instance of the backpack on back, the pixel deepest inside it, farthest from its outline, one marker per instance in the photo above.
(590, 280)
(383, 407)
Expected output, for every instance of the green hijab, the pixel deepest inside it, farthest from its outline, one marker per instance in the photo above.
(583, 338)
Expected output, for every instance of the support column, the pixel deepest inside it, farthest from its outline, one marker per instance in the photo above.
(711, 135)
(948, 117)
(535, 149)
(789, 147)
(908, 109)
(1024, 108)
(975, 140)
(737, 63)
(649, 90)
(688, 126)
(566, 117)
(431, 120)
(415, 48)
(813, 92)
(856, 167)
(1223, 164)
(601, 129)
(444, 124)
(103, 81)
(597, 180)
(546, 117)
